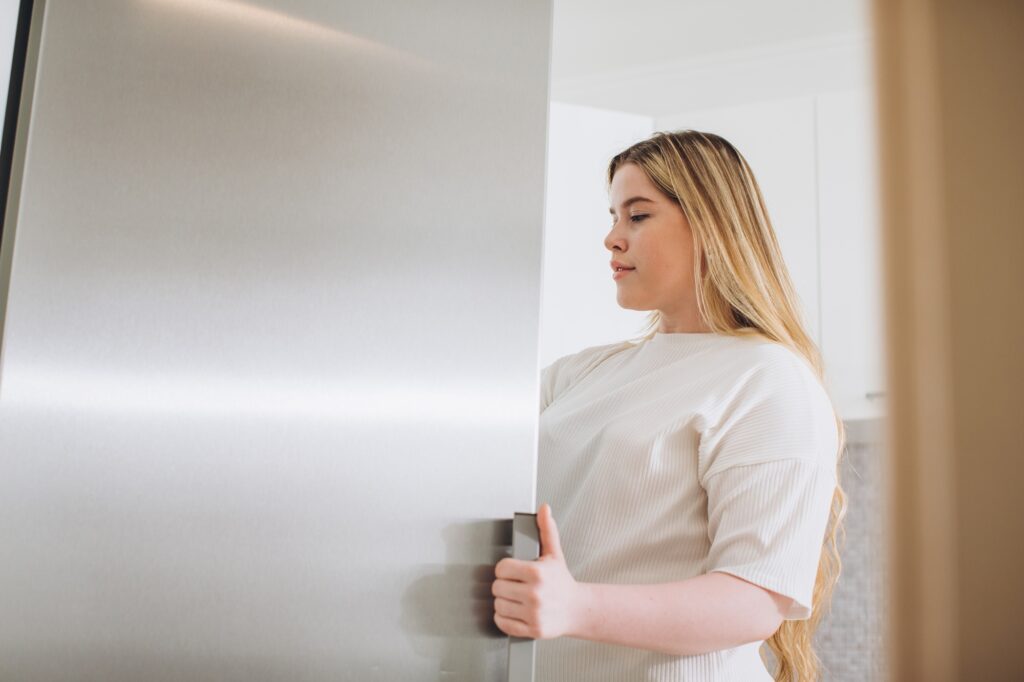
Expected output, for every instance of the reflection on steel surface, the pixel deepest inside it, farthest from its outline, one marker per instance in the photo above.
(268, 383)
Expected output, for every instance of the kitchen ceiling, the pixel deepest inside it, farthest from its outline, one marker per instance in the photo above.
(599, 44)
(592, 36)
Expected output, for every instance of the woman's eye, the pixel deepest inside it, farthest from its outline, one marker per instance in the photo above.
(637, 218)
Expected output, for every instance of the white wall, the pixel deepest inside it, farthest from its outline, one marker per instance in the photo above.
(578, 306)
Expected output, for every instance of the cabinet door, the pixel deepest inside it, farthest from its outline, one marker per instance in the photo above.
(851, 303)
(270, 347)
(777, 140)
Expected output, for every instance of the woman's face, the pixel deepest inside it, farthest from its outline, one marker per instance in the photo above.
(651, 234)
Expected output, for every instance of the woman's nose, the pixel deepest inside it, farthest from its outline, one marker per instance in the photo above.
(613, 240)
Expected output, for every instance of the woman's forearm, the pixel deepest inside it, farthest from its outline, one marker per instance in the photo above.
(707, 613)
(541, 600)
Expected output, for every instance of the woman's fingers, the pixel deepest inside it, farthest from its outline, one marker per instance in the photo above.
(517, 569)
(550, 543)
(511, 626)
(511, 609)
(510, 590)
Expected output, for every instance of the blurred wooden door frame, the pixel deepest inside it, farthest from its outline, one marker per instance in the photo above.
(951, 151)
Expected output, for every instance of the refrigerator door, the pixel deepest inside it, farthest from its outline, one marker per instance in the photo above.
(270, 292)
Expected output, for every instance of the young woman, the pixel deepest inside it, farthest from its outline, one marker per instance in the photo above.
(694, 470)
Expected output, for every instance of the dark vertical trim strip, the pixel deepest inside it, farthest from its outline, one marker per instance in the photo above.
(13, 105)
(24, 64)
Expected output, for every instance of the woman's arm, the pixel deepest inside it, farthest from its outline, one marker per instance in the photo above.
(540, 599)
(707, 613)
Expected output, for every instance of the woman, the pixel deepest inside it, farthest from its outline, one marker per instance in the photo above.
(694, 471)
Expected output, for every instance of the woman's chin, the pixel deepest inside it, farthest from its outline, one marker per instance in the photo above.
(630, 303)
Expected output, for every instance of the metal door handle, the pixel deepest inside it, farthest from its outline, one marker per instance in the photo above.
(525, 545)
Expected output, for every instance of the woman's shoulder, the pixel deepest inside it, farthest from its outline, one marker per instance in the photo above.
(777, 402)
(575, 365)
(568, 369)
(761, 369)
(590, 354)
(754, 357)
(774, 363)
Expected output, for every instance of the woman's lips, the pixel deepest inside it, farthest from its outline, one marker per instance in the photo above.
(619, 274)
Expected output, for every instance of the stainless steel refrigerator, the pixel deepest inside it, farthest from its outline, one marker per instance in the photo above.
(269, 297)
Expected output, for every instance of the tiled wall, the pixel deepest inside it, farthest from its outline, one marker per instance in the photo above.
(850, 638)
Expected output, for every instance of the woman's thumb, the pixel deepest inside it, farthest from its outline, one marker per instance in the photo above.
(550, 544)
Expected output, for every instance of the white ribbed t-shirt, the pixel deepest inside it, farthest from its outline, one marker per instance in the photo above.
(680, 455)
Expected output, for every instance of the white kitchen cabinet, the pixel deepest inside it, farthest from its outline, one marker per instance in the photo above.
(852, 338)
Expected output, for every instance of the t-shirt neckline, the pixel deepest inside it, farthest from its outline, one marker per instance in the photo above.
(684, 338)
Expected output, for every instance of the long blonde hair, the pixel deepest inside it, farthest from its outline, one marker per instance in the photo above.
(743, 288)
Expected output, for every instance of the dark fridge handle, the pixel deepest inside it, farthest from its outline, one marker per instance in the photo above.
(525, 545)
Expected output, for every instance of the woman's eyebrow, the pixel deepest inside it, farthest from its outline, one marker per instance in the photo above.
(631, 200)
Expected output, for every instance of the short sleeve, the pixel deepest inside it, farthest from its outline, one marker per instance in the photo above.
(769, 470)
(767, 523)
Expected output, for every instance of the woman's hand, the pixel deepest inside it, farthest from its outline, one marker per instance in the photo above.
(538, 599)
